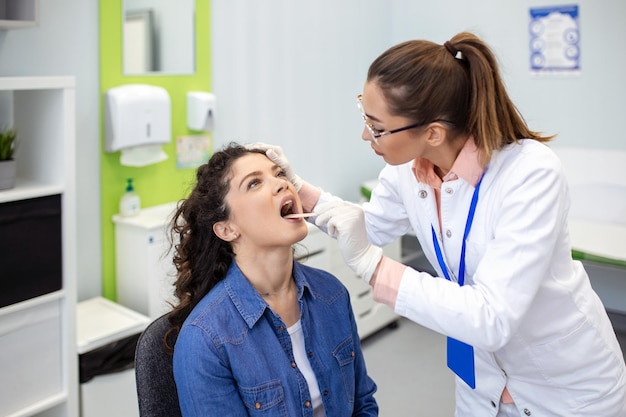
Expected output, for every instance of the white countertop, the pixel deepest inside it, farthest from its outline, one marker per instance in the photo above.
(100, 321)
(598, 238)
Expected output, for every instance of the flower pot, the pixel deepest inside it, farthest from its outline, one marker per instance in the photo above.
(7, 174)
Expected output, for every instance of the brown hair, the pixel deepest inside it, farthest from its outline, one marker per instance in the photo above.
(458, 82)
(200, 257)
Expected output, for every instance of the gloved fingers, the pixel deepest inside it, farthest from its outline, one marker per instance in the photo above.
(337, 216)
(263, 146)
(323, 216)
(278, 158)
(273, 152)
(276, 155)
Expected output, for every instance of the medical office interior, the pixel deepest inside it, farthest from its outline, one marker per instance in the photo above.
(83, 277)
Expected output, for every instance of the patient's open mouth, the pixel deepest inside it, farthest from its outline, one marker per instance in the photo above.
(287, 208)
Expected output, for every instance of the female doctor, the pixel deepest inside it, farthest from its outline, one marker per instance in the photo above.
(488, 201)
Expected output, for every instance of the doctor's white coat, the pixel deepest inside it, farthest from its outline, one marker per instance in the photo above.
(528, 309)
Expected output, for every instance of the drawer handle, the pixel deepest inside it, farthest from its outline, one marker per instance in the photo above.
(365, 293)
(365, 313)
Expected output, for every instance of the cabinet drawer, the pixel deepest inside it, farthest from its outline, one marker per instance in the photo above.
(31, 359)
(30, 248)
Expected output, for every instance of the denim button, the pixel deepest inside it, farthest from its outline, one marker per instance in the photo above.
(527, 411)
(423, 194)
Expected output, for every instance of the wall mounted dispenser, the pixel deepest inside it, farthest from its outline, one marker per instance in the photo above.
(137, 122)
(201, 111)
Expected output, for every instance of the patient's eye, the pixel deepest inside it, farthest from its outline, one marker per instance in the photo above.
(254, 182)
(281, 173)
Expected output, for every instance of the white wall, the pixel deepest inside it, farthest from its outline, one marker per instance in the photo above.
(66, 43)
(288, 74)
(584, 110)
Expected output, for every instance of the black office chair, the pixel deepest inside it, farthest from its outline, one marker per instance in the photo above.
(156, 390)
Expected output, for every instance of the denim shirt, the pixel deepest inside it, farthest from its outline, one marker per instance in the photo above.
(233, 356)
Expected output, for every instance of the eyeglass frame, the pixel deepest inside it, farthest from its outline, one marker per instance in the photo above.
(371, 129)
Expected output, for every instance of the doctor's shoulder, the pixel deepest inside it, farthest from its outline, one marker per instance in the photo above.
(526, 156)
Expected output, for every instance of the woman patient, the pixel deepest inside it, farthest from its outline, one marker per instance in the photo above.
(258, 333)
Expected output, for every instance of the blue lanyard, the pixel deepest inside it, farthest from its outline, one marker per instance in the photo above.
(468, 226)
(460, 355)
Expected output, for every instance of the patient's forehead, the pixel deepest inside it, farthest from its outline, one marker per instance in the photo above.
(249, 163)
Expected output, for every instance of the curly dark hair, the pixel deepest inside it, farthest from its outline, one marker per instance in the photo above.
(200, 257)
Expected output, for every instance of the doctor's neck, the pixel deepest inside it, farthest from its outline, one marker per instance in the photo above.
(445, 157)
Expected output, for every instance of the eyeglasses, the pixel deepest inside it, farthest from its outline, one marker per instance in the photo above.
(377, 133)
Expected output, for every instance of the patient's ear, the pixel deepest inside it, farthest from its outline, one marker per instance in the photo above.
(225, 231)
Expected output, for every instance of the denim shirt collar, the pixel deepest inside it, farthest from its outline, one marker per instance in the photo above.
(247, 300)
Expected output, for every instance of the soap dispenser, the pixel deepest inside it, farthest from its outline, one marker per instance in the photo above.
(130, 202)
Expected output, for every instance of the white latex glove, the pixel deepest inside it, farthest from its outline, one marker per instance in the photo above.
(277, 156)
(345, 222)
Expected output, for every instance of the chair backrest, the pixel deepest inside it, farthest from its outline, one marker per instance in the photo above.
(156, 390)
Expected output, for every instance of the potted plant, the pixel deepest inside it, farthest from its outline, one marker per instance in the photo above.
(8, 141)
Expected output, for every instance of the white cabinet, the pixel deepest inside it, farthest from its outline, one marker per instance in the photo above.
(144, 270)
(101, 325)
(145, 273)
(38, 362)
(16, 14)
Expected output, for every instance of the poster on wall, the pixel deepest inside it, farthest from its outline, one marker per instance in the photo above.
(554, 40)
(192, 151)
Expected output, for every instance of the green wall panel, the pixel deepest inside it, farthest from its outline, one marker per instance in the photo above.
(157, 183)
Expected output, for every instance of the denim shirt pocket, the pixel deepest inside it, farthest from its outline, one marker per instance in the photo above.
(267, 398)
(344, 354)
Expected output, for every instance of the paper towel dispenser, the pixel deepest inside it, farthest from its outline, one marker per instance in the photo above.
(137, 122)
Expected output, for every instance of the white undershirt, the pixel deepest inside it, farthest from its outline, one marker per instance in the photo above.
(299, 354)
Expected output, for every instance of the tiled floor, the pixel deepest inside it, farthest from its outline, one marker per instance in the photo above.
(408, 364)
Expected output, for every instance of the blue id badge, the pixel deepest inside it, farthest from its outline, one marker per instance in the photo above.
(461, 361)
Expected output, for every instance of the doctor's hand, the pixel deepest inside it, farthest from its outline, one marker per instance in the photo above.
(345, 222)
(277, 156)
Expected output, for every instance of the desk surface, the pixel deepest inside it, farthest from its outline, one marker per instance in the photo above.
(607, 240)
(100, 321)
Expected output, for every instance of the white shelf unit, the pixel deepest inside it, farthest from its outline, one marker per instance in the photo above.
(18, 14)
(38, 360)
(145, 273)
